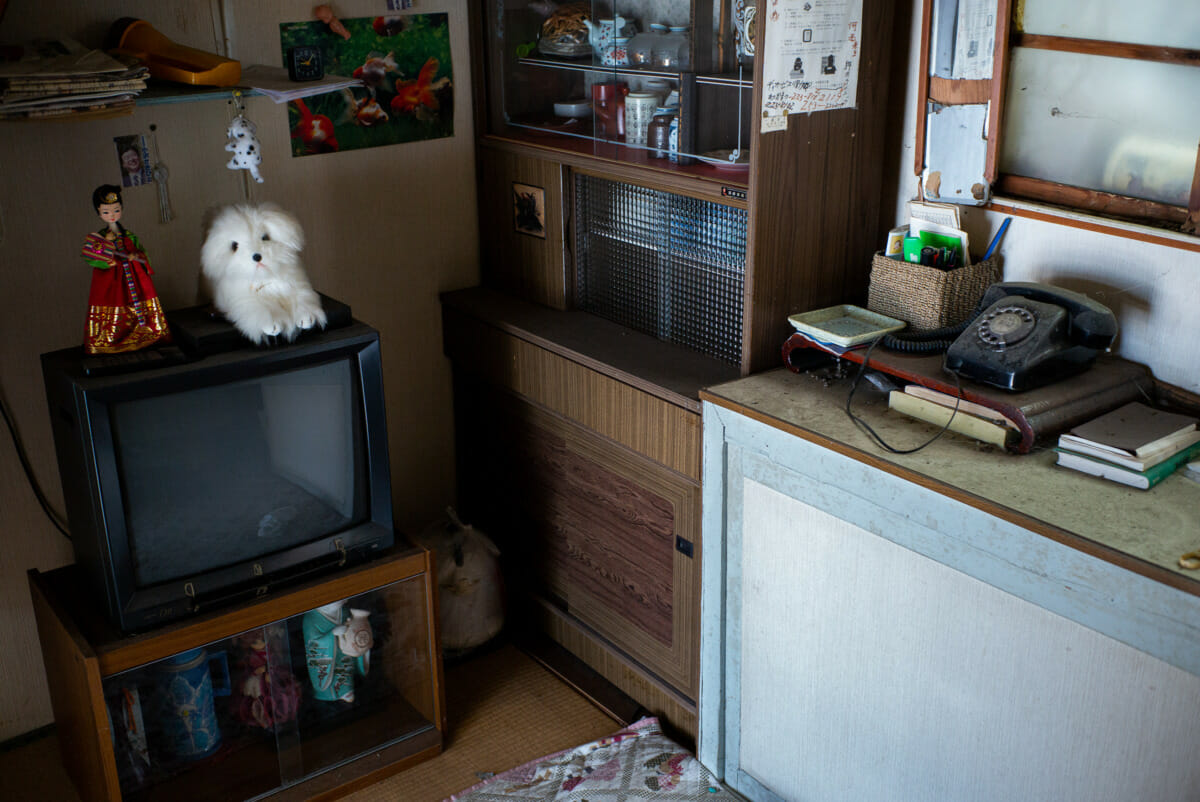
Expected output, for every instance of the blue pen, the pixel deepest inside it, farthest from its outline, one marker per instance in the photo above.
(996, 239)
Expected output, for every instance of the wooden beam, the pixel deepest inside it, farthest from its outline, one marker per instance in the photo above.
(1081, 220)
(1098, 47)
(1192, 224)
(1090, 199)
(923, 90)
(999, 86)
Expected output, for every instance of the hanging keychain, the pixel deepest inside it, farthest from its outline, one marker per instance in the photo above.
(160, 179)
(243, 143)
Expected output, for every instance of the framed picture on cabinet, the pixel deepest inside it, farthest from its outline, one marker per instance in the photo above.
(529, 210)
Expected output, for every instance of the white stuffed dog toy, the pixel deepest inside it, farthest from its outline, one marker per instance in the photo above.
(245, 147)
(251, 257)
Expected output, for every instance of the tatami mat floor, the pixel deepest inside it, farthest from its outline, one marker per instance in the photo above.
(504, 709)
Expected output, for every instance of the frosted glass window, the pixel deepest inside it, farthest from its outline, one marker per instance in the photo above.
(1169, 23)
(1110, 124)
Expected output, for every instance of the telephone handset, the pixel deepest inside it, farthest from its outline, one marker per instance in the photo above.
(1030, 335)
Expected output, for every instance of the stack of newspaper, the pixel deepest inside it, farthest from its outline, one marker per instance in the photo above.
(51, 78)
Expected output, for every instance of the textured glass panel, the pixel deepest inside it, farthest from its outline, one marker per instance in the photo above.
(1109, 124)
(1170, 23)
(666, 265)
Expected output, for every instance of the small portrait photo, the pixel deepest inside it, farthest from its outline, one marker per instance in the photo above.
(134, 160)
(529, 210)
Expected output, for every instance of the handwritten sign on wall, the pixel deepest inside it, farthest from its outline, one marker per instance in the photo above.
(811, 54)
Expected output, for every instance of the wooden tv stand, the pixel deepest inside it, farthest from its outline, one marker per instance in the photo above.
(324, 749)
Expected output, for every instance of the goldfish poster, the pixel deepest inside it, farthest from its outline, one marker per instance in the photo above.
(407, 91)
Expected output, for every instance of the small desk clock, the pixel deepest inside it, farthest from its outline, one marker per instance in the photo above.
(304, 63)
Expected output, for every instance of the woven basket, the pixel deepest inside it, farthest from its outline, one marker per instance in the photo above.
(927, 298)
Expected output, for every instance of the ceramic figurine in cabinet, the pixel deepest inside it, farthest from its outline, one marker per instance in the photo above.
(267, 693)
(337, 648)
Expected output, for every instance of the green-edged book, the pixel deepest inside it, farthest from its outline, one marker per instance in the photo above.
(1141, 479)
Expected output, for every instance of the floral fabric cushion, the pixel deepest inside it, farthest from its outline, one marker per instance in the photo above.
(638, 762)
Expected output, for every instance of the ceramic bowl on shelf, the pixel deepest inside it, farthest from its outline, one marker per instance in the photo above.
(726, 160)
(573, 108)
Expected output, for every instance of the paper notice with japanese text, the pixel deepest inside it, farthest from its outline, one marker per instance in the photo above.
(811, 53)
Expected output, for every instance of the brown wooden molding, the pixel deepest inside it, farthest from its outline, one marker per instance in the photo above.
(1098, 225)
(1090, 199)
(959, 91)
(922, 88)
(1192, 224)
(1098, 47)
(1000, 60)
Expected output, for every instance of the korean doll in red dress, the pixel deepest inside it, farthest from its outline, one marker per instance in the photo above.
(124, 313)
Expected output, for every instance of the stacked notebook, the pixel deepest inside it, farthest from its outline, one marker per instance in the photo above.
(1135, 445)
(956, 414)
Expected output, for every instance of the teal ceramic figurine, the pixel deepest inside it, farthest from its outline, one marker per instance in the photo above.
(337, 648)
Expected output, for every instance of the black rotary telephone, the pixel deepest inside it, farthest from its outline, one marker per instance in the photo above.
(1029, 335)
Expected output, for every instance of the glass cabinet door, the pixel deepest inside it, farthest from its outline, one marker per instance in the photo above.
(666, 83)
(277, 704)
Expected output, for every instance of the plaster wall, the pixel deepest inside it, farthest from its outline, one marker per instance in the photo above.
(388, 229)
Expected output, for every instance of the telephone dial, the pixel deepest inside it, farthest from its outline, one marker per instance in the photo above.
(1029, 335)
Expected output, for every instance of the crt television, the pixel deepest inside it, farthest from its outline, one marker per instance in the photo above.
(195, 484)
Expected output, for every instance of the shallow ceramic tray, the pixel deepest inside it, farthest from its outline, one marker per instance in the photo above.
(844, 325)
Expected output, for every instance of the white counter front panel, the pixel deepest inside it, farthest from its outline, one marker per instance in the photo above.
(868, 671)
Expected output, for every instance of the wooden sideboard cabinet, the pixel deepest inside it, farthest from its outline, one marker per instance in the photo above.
(224, 706)
(588, 479)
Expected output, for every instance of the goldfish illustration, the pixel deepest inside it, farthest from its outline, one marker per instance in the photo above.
(314, 130)
(390, 25)
(375, 69)
(364, 111)
(418, 96)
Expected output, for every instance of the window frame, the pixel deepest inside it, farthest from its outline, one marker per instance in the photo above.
(993, 91)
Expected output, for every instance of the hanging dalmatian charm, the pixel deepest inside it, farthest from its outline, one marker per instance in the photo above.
(245, 147)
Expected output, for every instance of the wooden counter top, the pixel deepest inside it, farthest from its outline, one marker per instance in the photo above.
(661, 369)
(1144, 531)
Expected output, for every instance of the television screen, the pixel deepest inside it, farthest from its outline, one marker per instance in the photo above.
(194, 484)
(219, 475)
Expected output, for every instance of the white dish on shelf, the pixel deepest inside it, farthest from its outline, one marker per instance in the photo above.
(844, 325)
(720, 159)
(573, 108)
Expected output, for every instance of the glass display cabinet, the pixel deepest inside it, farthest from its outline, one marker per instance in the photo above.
(665, 85)
(617, 281)
(325, 687)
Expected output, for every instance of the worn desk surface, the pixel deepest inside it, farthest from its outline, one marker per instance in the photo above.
(1145, 531)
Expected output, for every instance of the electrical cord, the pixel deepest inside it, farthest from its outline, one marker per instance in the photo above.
(927, 343)
(866, 427)
(33, 483)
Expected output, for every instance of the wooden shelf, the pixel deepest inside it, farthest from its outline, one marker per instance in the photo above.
(666, 371)
(736, 80)
(398, 718)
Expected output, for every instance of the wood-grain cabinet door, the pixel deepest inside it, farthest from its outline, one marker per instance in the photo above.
(595, 527)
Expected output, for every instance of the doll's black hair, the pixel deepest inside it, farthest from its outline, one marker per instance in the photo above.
(101, 193)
